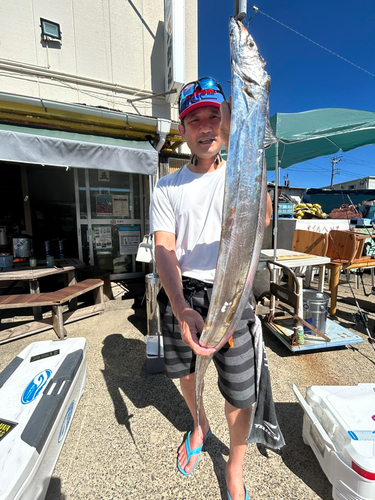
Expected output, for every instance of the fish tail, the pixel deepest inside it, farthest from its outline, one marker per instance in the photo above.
(200, 370)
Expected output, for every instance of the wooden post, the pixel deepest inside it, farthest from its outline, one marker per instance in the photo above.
(72, 280)
(98, 295)
(333, 287)
(37, 311)
(58, 322)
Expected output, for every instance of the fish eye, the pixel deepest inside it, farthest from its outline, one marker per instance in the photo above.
(251, 44)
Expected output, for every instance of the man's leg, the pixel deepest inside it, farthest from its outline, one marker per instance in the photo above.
(236, 371)
(238, 424)
(196, 438)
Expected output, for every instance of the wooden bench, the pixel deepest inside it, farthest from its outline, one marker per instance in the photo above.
(56, 300)
(103, 274)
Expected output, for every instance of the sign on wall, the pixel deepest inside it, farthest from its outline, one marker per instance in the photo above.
(130, 237)
(174, 47)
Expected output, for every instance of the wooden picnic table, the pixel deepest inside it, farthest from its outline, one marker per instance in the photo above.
(21, 271)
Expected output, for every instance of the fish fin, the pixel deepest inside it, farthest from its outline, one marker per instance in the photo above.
(269, 136)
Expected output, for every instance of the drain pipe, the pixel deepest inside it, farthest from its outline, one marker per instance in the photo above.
(163, 128)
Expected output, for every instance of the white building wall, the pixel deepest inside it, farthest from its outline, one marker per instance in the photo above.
(363, 183)
(119, 43)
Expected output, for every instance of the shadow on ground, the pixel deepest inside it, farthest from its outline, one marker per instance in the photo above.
(125, 372)
(297, 456)
(139, 318)
(54, 490)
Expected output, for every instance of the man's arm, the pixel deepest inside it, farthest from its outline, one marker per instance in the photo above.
(169, 272)
(269, 210)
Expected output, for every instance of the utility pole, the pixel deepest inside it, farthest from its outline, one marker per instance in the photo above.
(240, 9)
(335, 160)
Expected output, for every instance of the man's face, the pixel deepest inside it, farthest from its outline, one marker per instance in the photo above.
(202, 131)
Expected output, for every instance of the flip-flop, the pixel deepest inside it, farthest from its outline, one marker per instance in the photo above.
(190, 452)
(246, 494)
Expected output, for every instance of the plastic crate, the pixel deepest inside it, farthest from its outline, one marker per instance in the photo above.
(361, 222)
(371, 212)
(286, 208)
(6, 260)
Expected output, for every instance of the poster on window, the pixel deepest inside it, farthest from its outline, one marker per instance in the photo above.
(104, 205)
(120, 205)
(103, 237)
(103, 175)
(130, 237)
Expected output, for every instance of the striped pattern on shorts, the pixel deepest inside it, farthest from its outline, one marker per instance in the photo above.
(235, 365)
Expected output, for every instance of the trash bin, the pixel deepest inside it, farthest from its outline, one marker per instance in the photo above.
(315, 308)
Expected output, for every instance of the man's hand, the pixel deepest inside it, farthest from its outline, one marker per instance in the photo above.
(191, 323)
(225, 110)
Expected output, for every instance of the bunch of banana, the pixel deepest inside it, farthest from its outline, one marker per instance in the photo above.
(308, 211)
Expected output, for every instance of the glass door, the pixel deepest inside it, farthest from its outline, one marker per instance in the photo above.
(111, 219)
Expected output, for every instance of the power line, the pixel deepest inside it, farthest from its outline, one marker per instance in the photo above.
(312, 41)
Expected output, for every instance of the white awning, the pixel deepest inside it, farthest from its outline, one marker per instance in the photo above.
(68, 149)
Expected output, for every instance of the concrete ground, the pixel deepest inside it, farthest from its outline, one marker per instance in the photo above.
(124, 436)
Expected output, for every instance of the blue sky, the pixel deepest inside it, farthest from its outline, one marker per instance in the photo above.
(304, 76)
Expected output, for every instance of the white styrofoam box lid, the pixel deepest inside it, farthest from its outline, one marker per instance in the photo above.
(32, 390)
(152, 345)
(347, 413)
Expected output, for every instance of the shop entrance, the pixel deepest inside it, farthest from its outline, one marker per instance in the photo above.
(98, 216)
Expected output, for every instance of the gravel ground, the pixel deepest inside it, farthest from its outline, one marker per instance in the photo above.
(124, 437)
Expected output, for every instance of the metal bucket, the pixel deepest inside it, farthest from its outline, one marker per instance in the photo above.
(153, 315)
(22, 247)
(315, 308)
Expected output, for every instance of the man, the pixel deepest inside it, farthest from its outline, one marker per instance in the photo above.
(186, 217)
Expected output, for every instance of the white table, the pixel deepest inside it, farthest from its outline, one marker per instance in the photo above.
(293, 259)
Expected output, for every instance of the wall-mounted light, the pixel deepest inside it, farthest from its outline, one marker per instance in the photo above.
(50, 29)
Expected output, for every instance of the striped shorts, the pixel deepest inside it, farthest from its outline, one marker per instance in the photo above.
(235, 365)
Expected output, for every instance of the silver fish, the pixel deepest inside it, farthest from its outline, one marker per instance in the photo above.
(244, 197)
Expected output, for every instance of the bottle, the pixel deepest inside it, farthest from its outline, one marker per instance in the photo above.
(300, 335)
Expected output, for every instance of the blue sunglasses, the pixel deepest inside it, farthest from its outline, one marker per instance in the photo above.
(204, 91)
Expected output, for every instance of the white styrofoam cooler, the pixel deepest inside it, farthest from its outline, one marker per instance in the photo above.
(39, 393)
(339, 425)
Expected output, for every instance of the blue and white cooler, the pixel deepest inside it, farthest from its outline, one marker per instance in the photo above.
(339, 425)
(39, 393)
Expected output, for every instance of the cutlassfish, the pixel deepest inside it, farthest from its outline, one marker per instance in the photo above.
(244, 208)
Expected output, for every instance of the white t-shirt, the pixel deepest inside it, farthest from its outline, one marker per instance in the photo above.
(190, 206)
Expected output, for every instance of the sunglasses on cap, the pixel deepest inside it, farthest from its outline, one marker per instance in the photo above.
(203, 92)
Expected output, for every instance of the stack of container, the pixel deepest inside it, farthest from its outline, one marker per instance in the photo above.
(286, 210)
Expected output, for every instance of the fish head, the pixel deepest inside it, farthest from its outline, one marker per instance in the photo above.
(247, 63)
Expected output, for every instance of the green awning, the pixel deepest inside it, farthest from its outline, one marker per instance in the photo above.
(69, 149)
(319, 132)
